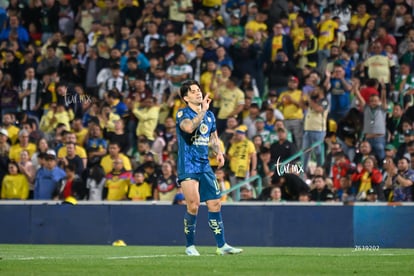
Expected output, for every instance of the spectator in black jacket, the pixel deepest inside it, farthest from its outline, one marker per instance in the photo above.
(282, 149)
(291, 185)
(12, 67)
(131, 13)
(72, 185)
(244, 56)
(320, 192)
(279, 71)
(49, 19)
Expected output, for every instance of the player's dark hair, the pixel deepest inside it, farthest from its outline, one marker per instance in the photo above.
(186, 86)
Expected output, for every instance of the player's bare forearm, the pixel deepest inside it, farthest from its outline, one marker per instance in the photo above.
(189, 125)
(215, 144)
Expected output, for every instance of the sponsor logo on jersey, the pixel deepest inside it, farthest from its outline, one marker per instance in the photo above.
(203, 129)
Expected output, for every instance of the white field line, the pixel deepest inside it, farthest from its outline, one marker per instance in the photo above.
(358, 253)
(141, 257)
(152, 256)
(32, 258)
(18, 258)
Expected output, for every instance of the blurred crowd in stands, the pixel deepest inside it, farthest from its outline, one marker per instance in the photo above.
(89, 91)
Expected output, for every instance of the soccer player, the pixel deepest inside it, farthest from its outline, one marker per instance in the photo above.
(196, 126)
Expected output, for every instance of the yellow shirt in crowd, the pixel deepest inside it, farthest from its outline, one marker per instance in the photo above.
(255, 26)
(15, 187)
(359, 21)
(168, 196)
(148, 120)
(291, 111)
(174, 12)
(117, 187)
(315, 121)
(139, 192)
(239, 154)
(327, 33)
(205, 82)
(48, 125)
(297, 34)
(15, 151)
(229, 100)
(80, 151)
(211, 3)
(110, 124)
(213, 158)
(80, 136)
(225, 185)
(292, 18)
(13, 132)
(379, 67)
(277, 43)
(121, 4)
(107, 163)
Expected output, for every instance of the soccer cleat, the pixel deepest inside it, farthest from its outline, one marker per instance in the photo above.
(227, 249)
(191, 251)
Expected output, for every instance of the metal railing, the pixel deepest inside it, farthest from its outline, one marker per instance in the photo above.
(237, 187)
(258, 178)
(301, 153)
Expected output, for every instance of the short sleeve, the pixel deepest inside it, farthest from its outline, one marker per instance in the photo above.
(252, 149)
(240, 99)
(211, 118)
(180, 116)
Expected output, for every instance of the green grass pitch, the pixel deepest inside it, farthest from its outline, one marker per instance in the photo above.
(171, 260)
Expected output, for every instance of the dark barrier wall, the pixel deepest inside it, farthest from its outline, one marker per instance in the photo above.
(384, 226)
(316, 226)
